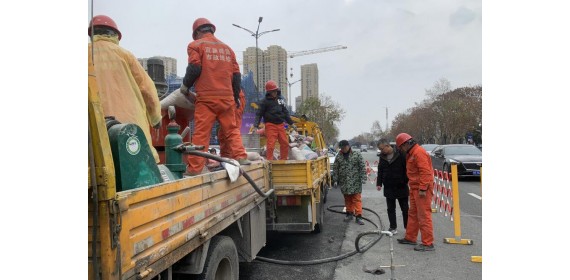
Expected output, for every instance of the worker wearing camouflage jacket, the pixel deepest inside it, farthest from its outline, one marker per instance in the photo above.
(349, 173)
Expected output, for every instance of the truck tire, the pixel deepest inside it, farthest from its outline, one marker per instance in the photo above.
(222, 260)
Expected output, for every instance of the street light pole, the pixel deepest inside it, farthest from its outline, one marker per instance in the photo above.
(290, 84)
(256, 34)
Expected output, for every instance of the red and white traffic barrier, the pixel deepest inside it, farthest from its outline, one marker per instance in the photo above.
(442, 199)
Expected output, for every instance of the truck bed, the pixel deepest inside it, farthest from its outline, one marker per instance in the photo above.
(299, 187)
(297, 177)
(160, 224)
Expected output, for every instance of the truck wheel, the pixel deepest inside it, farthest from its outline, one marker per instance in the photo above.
(222, 260)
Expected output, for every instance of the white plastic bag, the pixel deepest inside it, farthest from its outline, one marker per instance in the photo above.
(178, 99)
(296, 154)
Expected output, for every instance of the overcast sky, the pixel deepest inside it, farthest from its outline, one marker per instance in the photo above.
(396, 48)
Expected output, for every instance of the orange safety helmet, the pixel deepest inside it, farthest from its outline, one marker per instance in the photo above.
(402, 138)
(270, 86)
(106, 21)
(201, 22)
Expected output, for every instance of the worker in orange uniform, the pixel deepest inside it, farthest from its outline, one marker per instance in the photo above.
(214, 72)
(225, 149)
(126, 90)
(420, 174)
(274, 114)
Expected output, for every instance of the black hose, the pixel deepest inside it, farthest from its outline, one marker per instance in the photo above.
(242, 172)
(336, 258)
(311, 262)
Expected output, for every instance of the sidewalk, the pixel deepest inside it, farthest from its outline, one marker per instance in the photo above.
(447, 262)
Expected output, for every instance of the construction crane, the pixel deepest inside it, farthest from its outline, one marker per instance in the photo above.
(307, 52)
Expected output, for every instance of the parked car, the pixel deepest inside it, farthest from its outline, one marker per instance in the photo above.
(363, 148)
(332, 157)
(468, 159)
(429, 147)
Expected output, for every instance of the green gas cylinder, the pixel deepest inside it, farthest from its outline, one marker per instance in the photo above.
(173, 158)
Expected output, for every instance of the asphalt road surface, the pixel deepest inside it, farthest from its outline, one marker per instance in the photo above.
(447, 262)
(302, 247)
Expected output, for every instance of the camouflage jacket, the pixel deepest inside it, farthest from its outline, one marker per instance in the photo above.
(349, 174)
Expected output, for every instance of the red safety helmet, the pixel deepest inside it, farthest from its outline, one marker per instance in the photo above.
(201, 22)
(402, 138)
(106, 21)
(270, 86)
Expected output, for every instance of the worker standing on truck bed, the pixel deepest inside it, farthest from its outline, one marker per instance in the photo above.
(274, 114)
(214, 72)
(349, 173)
(126, 90)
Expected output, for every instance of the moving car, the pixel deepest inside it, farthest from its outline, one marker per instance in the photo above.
(468, 159)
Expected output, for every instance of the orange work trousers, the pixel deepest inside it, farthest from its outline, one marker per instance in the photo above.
(276, 132)
(353, 203)
(207, 111)
(419, 217)
(225, 147)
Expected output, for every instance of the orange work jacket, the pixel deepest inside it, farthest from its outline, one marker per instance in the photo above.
(419, 168)
(218, 63)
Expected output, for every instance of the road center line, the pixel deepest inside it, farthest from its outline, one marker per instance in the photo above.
(475, 196)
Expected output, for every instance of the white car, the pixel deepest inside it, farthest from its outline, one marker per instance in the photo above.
(332, 157)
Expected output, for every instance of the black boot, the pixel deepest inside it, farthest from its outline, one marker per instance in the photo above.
(348, 217)
(359, 220)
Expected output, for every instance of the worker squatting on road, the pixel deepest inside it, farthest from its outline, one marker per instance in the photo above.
(274, 114)
(420, 174)
(214, 72)
(126, 90)
(225, 147)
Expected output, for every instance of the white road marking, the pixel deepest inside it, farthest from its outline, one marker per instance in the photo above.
(475, 196)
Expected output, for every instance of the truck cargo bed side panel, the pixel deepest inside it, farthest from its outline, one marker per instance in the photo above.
(167, 221)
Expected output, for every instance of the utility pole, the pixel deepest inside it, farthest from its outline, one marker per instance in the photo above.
(290, 84)
(386, 118)
(256, 35)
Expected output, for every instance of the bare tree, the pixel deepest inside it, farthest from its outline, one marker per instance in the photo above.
(446, 118)
(325, 112)
(440, 87)
(376, 130)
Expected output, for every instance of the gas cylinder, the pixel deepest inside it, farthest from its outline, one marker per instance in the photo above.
(173, 158)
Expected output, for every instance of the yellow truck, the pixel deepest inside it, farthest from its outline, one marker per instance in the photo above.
(148, 221)
(300, 187)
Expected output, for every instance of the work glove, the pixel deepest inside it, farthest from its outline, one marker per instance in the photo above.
(157, 125)
(183, 89)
